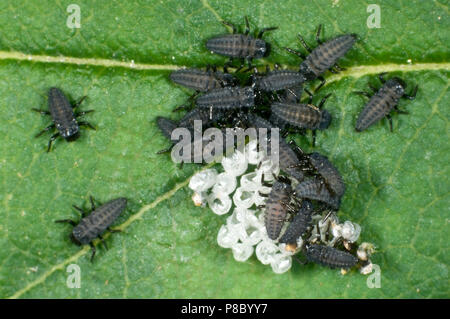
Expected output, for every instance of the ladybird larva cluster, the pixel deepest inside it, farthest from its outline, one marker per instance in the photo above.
(306, 190)
(298, 190)
(248, 231)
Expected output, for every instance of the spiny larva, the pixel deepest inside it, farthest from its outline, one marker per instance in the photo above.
(206, 149)
(313, 189)
(63, 116)
(227, 98)
(287, 157)
(329, 173)
(201, 114)
(239, 45)
(293, 94)
(277, 208)
(92, 226)
(299, 224)
(324, 56)
(202, 81)
(303, 116)
(383, 102)
(166, 126)
(277, 80)
(330, 257)
(289, 160)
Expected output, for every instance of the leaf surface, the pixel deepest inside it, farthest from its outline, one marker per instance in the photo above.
(397, 183)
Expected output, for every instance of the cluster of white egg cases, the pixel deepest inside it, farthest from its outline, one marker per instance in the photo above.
(244, 231)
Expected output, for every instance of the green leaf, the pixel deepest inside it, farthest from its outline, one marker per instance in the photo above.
(120, 58)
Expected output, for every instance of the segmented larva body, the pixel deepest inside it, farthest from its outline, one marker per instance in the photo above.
(314, 189)
(326, 55)
(199, 114)
(259, 122)
(299, 224)
(205, 149)
(62, 113)
(289, 161)
(287, 158)
(278, 80)
(201, 81)
(93, 225)
(166, 126)
(238, 46)
(301, 115)
(293, 94)
(330, 257)
(276, 209)
(329, 173)
(381, 103)
(63, 116)
(227, 98)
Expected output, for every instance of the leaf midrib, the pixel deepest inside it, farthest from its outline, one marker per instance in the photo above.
(354, 72)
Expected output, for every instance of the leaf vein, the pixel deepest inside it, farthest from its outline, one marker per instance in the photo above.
(122, 226)
(355, 72)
